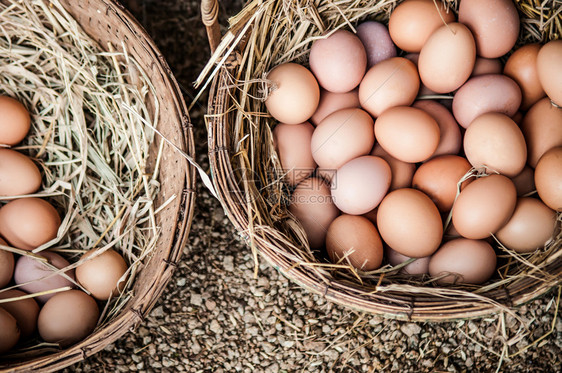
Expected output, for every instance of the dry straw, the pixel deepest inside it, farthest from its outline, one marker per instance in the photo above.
(247, 172)
(94, 107)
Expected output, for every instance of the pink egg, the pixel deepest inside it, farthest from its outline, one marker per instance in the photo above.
(419, 266)
(360, 184)
(342, 136)
(338, 61)
(463, 261)
(483, 94)
(377, 42)
(34, 276)
(292, 142)
(311, 203)
(331, 102)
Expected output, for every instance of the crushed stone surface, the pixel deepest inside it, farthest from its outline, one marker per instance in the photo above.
(215, 316)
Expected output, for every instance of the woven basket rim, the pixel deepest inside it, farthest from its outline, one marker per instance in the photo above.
(142, 303)
(395, 305)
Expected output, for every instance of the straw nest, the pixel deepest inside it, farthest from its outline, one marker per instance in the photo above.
(97, 108)
(248, 176)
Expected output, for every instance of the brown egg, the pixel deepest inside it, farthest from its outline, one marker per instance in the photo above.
(331, 102)
(447, 58)
(484, 94)
(419, 266)
(360, 184)
(14, 121)
(438, 178)
(524, 182)
(377, 42)
(372, 216)
(34, 276)
(463, 261)
(548, 178)
(521, 66)
(100, 273)
(9, 331)
(25, 311)
(18, 173)
(408, 134)
(27, 223)
(484, 206)
(450, 134)
(342, 136)
(338, 61)
(495, 141)
(292, 142)
(402, 172)
(483, 66)
(531, 226)
(294, 93)
(410, 223)
(494, 23)
(412, 22)
(548, 68)
(356, 239)
(311, 203)
(6, 266)
(517, 117)
(392, 82)
(68, 318)
(542, 128)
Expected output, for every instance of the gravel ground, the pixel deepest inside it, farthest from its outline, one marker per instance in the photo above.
(216, 317)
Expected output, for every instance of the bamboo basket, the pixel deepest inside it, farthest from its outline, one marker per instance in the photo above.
(246, 171)
(106, 21)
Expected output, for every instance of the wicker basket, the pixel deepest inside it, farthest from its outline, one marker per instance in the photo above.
(107, 21)
(241, 193)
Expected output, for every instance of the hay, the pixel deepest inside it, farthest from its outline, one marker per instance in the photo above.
(247, 170)
(85, 137)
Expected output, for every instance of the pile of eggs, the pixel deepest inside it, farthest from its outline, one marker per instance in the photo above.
(32, 300)
(383, 164)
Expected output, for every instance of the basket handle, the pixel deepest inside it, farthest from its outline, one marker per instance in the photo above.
(210, 18)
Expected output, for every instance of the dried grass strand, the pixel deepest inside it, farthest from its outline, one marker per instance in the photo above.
(86, 136)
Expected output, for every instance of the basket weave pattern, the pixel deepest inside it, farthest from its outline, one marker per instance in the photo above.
(246, 195)
(106, 21)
